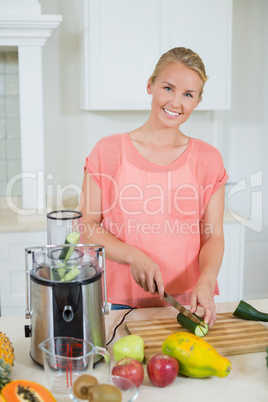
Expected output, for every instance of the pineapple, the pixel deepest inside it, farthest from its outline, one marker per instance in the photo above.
(6, 360)
(5, 373)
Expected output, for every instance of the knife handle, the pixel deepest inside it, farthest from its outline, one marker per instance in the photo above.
(156, 288)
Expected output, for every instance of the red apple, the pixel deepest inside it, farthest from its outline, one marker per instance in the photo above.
(129, 368)
(162, 369)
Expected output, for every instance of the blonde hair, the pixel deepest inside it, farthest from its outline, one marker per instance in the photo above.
(185, 56)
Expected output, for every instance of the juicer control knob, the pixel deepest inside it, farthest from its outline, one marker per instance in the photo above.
(27, 331)
(68, 313)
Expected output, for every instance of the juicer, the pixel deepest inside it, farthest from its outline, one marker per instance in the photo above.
(64, 294)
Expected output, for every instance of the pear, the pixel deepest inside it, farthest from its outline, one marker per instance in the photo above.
(129, 346)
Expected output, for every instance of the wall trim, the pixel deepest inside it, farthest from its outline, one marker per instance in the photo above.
(27, 30)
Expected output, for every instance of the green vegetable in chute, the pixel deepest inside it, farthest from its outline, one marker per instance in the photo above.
(58, 273)
(71, 275)
(71, 238)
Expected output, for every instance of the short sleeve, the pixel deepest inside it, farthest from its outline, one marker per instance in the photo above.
(211, 172)
(92, 164)
(105, 159)
(221, 179)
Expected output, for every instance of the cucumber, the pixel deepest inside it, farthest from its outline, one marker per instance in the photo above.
(248, 312)
(71, 238)
(196, 329)
(72, 274)
(58, 273)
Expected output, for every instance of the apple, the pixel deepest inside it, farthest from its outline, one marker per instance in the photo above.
(162, 369)
(129, 346)
(129, 368)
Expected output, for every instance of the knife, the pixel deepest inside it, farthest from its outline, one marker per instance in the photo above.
(174, 303)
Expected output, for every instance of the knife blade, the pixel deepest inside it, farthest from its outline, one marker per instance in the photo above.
(170, 300)
(174, 303)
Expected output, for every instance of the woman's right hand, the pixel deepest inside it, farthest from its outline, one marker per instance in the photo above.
(146, 273)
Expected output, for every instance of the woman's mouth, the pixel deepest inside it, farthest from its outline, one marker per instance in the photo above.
(170, 113)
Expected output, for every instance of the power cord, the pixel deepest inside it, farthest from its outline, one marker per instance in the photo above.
(118, 325)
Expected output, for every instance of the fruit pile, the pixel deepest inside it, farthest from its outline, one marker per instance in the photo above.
(19, 389)
(182, 353)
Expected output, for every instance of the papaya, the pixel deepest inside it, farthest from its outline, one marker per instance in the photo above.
(23, 390)
(196, 357)
(2, 399)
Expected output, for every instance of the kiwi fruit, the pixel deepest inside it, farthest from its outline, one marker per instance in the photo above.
(82, 385)
(104, 393)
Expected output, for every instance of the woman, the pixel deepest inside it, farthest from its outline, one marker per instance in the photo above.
(154, 198)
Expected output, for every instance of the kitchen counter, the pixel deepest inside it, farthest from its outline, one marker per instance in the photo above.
(11, 222)
(14, 220)
(248, 380)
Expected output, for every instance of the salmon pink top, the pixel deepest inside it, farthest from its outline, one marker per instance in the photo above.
(157, 209)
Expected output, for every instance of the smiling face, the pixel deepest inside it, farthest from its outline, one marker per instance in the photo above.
(175, 94)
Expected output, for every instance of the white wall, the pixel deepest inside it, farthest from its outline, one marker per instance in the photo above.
(248, 135)
(70, 133)
(248, 140)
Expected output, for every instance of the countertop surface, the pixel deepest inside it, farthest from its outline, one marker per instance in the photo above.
(13, 218)
(11, 221)
(248, 380)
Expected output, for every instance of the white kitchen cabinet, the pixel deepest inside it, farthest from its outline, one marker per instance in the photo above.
(12, 269)
(122, 41)
(231, 275)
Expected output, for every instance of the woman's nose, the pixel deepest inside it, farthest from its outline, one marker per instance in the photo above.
(177, 100)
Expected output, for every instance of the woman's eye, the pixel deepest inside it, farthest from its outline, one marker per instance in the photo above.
(189, 95)
(167, 89)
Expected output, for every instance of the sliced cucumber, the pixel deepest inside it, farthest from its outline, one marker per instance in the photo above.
(72, 274)
(58, 273)
(196, 329)
(248, 312)
(71, 238)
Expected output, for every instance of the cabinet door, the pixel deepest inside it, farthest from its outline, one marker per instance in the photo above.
(120, 50)
(12, 269)
(205, 27)
(122, 41)
(230, 278)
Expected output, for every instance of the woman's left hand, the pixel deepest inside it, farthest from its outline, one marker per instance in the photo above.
(202, 295)
(210, 257)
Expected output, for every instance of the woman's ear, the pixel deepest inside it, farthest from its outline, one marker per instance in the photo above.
(149, 87)
(199, 100)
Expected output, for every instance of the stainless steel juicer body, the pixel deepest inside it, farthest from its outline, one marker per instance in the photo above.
(58, 307)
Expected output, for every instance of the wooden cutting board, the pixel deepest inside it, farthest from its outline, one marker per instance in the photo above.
(229, 335)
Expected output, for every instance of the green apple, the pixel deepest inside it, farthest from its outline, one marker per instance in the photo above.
(129, 346)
